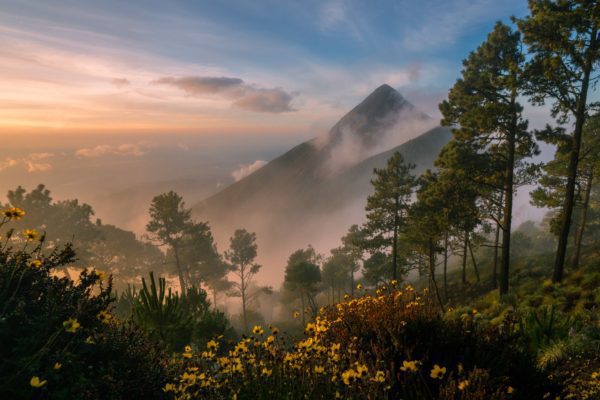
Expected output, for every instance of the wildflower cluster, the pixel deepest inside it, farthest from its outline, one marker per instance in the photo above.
(389, 342)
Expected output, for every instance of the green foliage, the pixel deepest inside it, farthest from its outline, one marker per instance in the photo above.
(387, 209)
(240, 256)
(63, 333)
(173, 319)
(302, 276)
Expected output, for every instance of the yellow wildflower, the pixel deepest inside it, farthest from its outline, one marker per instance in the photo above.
(462, 385)
(36, 382)
(409, 366)
(266, 372)
(187, 351)
(35, 264)
(90, 340)
(379, 377)
(257, 330)
(296, 314)
(349, 377)
(510, 390)
(31, 234)
(319, 369)
(71, 325)
(104, 317)
(437, 372)
(57, 366)
(212, 345)
(13, 213)
(359, 286)
(169, 387)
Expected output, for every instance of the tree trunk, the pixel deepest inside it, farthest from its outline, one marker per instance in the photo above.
(464, 260)
(446, 266)
(243, 293)
(509, 174)
(495, 268)
(569, 200)
(433, 283)
(303, 308)
(179, 270)
(474, 263)
(395, 240)
(352, 282)
(582, 218)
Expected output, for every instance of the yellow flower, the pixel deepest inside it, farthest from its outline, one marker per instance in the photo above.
(270, 339)
(104, 317)
(510, 390)
(31, 234)
(266, 372)
(36, 382)
(462, 385)
(90, 340)
(349, 377)
(13, 213)
(437, 372)
(296, 314)
(100, 274)
(379, 377)
(359, 286)
(212, 345)
(310, 329)
(35, 264)
(361, 370)
(71, 325)
(187, 353)
(319, 369)
(409, 366)
(169, 387)
(275, 331)
(257, 330)
(57, 366)
(394, 283)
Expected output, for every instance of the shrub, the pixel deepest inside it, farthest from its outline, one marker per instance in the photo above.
(59, 339)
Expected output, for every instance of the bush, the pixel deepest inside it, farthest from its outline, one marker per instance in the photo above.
(59, 339)
(390, 345)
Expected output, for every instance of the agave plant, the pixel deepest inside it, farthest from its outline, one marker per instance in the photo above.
(161, 312)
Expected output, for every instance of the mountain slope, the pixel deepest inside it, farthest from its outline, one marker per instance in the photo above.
(316, 190)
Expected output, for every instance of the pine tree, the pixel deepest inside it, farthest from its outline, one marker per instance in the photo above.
(563, 39)
(484, 109)
(387, 208)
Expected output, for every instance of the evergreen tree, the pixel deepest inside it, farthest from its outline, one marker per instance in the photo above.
(552, 184)
(387, 208)
(240, 256)
(302, 276)
(169, 222)
(563, 39)
(484, 109)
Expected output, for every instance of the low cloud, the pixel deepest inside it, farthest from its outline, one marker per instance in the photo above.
(37, 167)
(245, 170)
(120, 82)
(244, 95)
(127, 149)
(7, 163)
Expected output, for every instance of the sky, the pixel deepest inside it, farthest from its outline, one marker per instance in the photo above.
(252, 68)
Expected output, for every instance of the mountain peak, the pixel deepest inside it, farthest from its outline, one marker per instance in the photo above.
(372, 116)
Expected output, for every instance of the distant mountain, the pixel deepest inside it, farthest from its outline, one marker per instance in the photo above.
(315, 191)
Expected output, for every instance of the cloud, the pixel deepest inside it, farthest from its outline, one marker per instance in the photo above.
(266, 100)
(245, 96)
(37, 167)
(7, 163)
(127, 149)
(120, 82)
(39, 156)
(245, 170)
